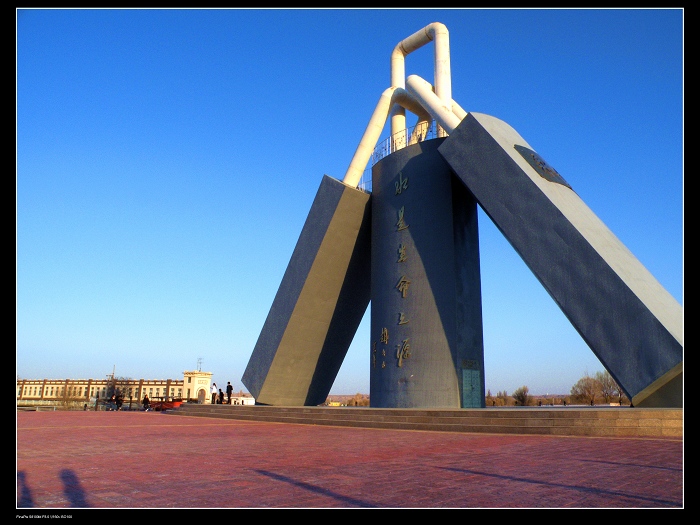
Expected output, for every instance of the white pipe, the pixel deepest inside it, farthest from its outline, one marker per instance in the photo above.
(387, 100)
(419, 99)
(403, 100)
(369, 139)
(443, 82)
(395, 100)
(458, 111)
(423, 92)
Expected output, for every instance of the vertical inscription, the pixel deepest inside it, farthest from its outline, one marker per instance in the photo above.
(401, 222)
(401, 184)
(402, 253)
(403, 351)
(403, 285)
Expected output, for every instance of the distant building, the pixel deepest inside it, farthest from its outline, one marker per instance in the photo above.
(245, 399)
(193, 387)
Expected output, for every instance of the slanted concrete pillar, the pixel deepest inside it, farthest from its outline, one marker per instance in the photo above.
(319, 305)
(630, 322)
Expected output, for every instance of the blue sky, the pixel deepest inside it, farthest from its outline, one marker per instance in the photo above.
(167, 160)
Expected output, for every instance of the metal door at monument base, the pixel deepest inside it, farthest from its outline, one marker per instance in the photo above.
(471, 388)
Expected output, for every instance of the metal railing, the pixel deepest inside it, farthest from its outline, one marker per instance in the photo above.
(420, 132)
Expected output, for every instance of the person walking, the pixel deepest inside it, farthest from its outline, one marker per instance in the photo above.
(229, 391)
(213, 393)
(146, 403)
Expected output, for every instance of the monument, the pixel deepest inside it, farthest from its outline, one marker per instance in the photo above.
(410, 248)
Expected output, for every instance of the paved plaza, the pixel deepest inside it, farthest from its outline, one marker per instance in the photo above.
(69, 461)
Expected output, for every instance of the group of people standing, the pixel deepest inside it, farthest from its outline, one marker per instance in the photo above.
(117, 400)
(217, 395)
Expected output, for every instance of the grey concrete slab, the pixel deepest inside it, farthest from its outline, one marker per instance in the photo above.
(319, 305)
(631, 323)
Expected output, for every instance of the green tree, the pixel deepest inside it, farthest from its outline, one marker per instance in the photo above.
(522, 396)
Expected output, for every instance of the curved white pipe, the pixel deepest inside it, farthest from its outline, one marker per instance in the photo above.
(420, 99)
(390, 96)
(423, 92)
(395, 100)
(443, 82)
(458, 111)
(369, 139)
(403, 100)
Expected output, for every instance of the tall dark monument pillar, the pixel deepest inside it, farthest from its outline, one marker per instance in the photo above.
(426, 324)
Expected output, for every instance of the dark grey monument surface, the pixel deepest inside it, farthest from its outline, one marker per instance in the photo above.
(426, 329)
(555, 233)
(319, 305)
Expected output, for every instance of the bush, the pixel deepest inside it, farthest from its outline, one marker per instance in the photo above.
(522, 396)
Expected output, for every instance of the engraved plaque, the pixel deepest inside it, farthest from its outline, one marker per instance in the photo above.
(540, 166)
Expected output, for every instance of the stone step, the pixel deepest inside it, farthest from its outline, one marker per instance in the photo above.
(560, 421)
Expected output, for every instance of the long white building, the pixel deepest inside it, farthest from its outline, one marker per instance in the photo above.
(193, 387)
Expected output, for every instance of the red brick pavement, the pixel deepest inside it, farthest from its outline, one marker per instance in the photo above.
(151, 460)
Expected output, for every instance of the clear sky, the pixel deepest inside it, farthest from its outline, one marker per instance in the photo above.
(167, 161)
